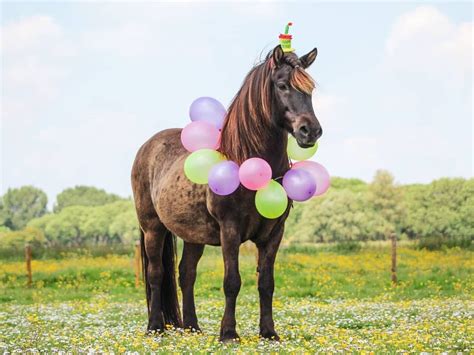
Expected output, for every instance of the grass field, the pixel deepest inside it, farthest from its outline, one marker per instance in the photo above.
(324, 301)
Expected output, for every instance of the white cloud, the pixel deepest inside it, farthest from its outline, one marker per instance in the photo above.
(29, 33)
(33, 76)
(427, 82)
(33, 52)
(35, 34)
(326, 106)
(362, 149)
(326, 103)
(426, 42)
(94, 148)
(127, 40)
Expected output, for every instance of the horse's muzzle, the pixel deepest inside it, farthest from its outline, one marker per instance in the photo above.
(307, 138)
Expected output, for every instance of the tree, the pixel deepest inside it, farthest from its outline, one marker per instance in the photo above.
(338, 216)
(442, 210)
(4, 221)
(352, 184)
(96, 227)
(23, 204)
(124, 227)
(83, 196)
(17, 239)
(386, 200)
(66, 227)
(90, 225)
(41, 223)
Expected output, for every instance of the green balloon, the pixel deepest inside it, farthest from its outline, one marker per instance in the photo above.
(295, 152)
(271, 201)
(198, 164)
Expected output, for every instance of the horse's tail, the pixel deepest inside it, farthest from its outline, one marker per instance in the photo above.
(169, 292)
(145, 270)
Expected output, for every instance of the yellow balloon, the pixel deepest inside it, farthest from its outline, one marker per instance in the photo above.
(295, 152)
(198, 164)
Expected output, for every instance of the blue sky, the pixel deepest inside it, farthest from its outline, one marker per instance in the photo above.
(84, 84)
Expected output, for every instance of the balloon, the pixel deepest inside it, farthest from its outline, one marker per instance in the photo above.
(208, 109)
(299, 184)
(319, 172)
(198, 164)
(199, 135)
(271, 201)
(255, 173)
(224, 178)
(295, 152)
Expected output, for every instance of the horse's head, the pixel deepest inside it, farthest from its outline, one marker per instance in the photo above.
(275, 95)
(292, 91)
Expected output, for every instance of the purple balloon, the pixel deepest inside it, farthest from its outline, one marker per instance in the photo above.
(208, 109)
(319, 172)
(299, 184)
(224, 178)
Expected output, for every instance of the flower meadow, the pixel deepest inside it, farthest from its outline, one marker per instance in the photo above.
(324, 301)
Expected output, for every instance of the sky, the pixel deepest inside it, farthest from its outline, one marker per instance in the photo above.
(84, 84)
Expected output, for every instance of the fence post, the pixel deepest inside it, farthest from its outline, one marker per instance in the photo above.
(28, 265)
(393, 237)
(137, 263)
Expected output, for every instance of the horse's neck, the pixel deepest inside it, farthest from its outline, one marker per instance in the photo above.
(274, 152)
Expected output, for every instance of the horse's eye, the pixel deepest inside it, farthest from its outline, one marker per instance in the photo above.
(282, 86)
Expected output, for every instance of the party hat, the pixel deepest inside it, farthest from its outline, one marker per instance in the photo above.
(285, 39)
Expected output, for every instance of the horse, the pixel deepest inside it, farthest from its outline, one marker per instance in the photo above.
(275, 100)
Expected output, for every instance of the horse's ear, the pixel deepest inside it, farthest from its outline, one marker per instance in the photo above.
(309, 58)
(277, 55)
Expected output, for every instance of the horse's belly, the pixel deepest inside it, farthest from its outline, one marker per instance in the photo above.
(181, 207)
(192, 227)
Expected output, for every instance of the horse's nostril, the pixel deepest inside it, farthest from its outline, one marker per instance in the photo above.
(304, 130)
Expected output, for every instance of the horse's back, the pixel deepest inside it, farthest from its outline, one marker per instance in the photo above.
(154, 152)
(161, 190)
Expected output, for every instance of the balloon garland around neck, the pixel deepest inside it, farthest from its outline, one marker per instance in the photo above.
(205, 165)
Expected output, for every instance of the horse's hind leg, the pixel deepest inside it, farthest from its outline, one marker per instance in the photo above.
(154, 238)
(187, 277)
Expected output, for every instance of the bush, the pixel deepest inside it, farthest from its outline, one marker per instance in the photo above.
(18, 239)
(61, 252)
(347, 247)
(439, 243)
(77, 226)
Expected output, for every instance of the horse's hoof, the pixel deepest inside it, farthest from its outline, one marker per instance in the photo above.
(154, 329)
(229, 337)
(270, 336)
(229, 340)
(193, 328)
(151, 332)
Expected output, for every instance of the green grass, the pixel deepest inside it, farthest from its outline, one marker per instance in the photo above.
(324, 301)
(316, 273)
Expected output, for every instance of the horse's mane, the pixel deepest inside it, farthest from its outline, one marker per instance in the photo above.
(249, 118)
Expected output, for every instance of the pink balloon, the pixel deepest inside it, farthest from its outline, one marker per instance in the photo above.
(199, 135)
(319, 173)
(255, 173)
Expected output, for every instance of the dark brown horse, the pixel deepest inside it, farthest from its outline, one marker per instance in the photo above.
(274, 99)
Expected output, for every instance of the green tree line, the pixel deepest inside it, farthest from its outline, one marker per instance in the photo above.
(437, 214)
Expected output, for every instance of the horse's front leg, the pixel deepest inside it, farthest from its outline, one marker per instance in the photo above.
(266, 283)
(230, 242)
(187, 277)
